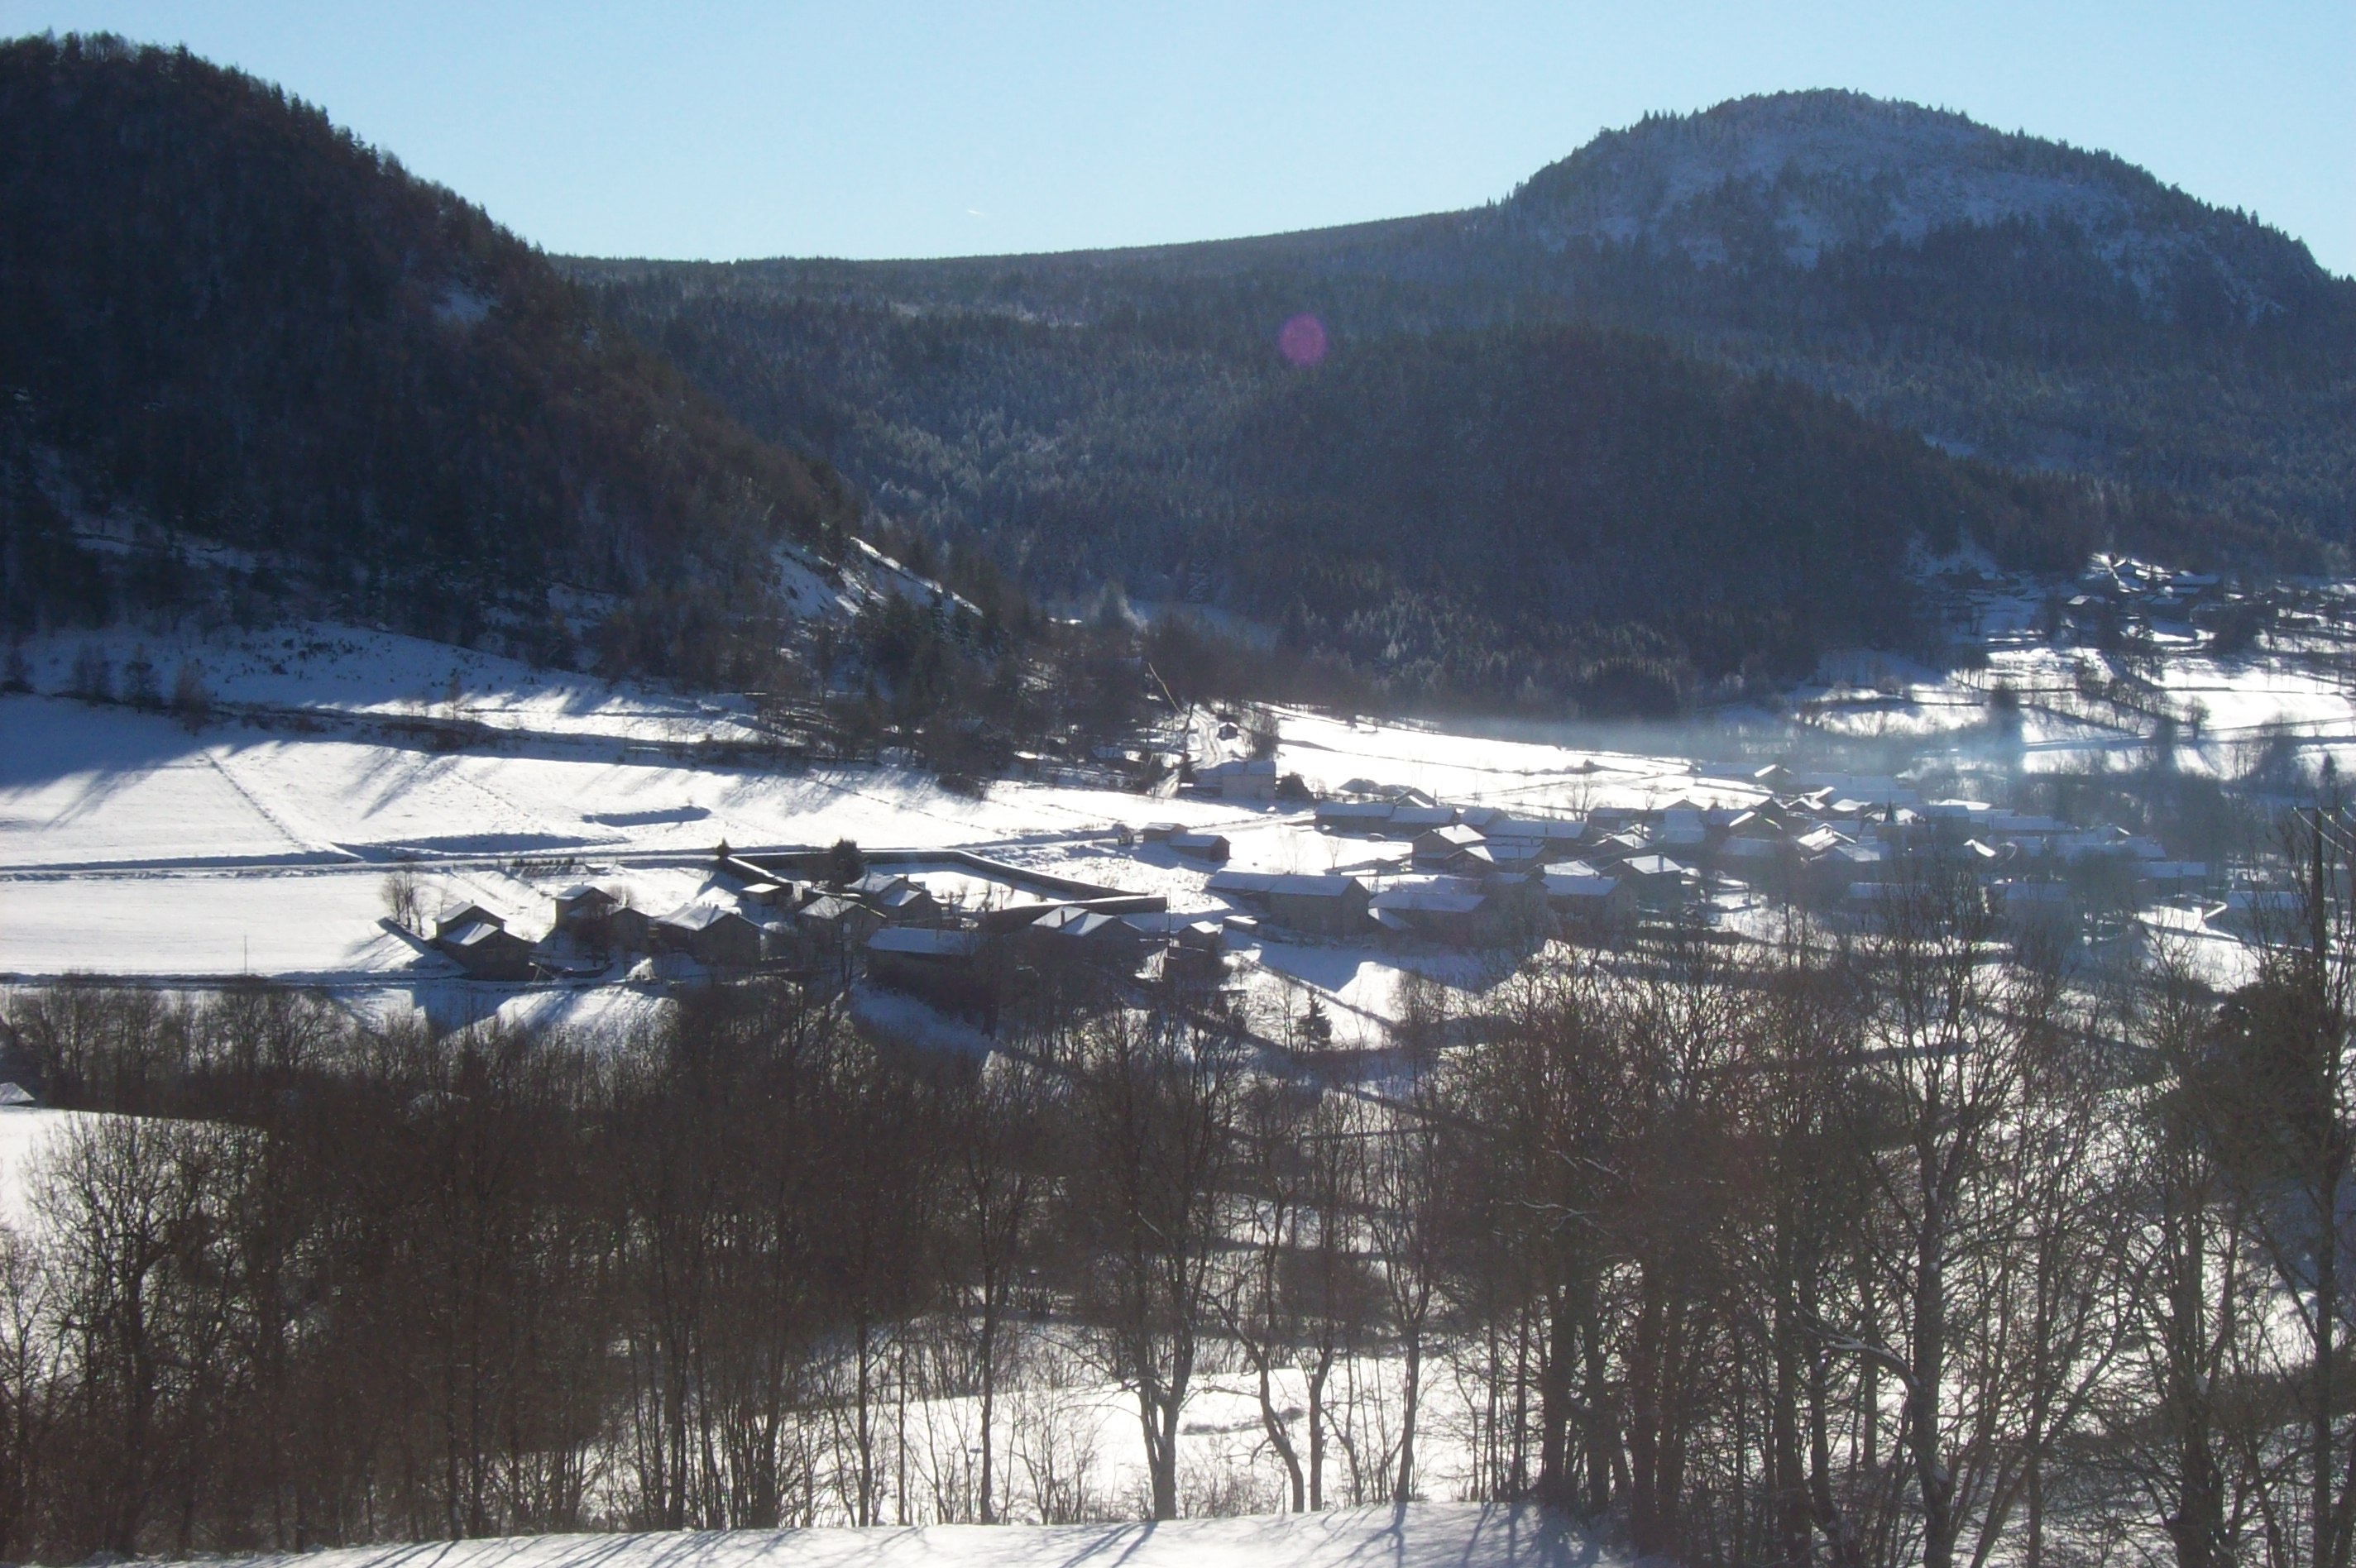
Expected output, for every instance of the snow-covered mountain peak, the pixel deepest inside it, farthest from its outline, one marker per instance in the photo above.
(1791, 176)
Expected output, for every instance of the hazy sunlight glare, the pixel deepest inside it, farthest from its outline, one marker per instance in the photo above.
(1302, 340)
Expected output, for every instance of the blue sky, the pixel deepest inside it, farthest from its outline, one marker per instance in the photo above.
(879, 128)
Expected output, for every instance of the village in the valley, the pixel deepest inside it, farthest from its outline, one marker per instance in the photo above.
(1286, 881)
(588, 849)
(1405, 874)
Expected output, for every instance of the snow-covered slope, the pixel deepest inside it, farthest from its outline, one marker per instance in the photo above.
(1421, 1535)
(28, 1136)
(1796, 174)
(809, 586)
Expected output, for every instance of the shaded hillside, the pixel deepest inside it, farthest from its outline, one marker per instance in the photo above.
(2052, 311)
(230, 321)
(1528, 511)
(1522, 512)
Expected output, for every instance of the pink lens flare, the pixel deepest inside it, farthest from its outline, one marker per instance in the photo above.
(1303, 341)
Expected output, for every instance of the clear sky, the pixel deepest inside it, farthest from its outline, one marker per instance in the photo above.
(884, 128)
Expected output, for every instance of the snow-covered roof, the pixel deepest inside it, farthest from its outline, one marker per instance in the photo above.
(699, 916)
(925, 943)
(472, 934)
(1428, 900)
(1580, 885)
(1070, 920)
(828, 907)
(1258, 883)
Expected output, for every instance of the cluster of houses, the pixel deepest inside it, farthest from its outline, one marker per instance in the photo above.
(1838, 844)
(787, 916)
(1469, 878)
(752, 920)
(2120, 597)
(2116, 598)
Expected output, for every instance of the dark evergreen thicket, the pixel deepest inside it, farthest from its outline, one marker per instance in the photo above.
(234, 321)
(1558, 509)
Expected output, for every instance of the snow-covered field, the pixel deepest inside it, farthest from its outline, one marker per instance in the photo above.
(1421, 1535)
(336, 669)
(2224, 709)
(132, 844)
(1525, 776)
(85, 787)
(27, 1132)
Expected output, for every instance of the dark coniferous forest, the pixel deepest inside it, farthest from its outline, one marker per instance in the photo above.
(229, 319)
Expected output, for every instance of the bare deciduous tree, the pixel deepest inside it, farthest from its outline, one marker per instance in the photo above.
(1156, 1096)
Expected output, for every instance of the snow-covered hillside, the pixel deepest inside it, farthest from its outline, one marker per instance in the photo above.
(1421, 1535)
(1826, 169)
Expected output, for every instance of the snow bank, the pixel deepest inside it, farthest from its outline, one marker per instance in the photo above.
(26, 1133)
(1420, 1535)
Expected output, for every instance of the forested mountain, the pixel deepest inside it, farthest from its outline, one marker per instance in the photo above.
(1521, 463)
(2046, 308)
(1675, 411)
(229, 321)
(2050, 309)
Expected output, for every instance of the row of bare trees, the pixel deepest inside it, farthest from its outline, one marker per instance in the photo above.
(309, 1281)
(1912, 1247)
(1923, 1248)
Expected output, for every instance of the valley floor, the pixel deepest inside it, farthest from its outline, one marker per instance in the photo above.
(258, 842)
